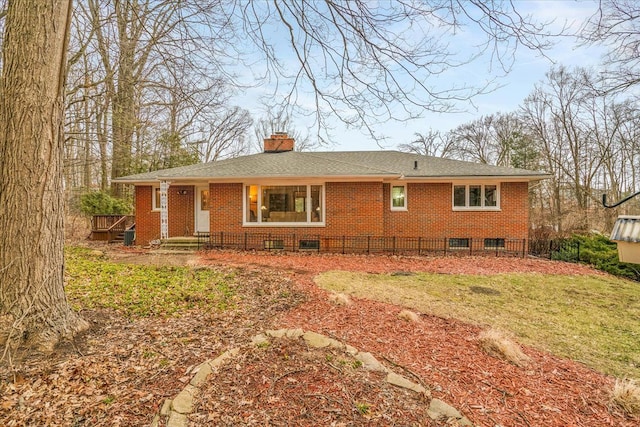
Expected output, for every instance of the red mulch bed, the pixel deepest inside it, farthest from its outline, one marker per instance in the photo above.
(443, 352)
(120, 371)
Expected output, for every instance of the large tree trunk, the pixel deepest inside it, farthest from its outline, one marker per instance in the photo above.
(33, 305)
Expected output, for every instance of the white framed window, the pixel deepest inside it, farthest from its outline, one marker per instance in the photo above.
(398, 193)
(155, 198)
(283, 205)
(476, 197)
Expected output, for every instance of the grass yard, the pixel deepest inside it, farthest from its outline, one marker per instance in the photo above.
(92, 281)
(591, 319)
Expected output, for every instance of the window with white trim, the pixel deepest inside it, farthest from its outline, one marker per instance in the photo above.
(284, 204)
(476, 196)
(155, 199)
(398, 197)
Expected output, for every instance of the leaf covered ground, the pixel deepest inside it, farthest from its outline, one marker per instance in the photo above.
(120, 372)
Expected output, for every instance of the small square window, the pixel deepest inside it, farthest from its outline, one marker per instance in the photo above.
(398, 197)
(475, 195)
(204, 200)
(155, 204)
(458, 243)
(494, 243)
(490, 195)
(309, 244)
(459, 196)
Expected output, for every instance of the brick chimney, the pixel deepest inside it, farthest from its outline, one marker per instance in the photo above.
(278, 143)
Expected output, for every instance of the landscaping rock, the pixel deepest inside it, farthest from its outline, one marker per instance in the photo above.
(371, 363)
(183, 402)
(400, 381)
(439, 410)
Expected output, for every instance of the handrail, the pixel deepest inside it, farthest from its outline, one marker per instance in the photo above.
(118, 227)
(113, 228)
(103, 222)
(613, 205)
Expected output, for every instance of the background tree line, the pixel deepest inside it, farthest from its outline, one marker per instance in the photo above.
(148, 89)
(104, 88)
(585, 138)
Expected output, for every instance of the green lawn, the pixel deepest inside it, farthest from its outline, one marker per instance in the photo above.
(137, 290)
(591, 319)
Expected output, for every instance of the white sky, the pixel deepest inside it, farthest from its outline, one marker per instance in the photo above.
(528, 69)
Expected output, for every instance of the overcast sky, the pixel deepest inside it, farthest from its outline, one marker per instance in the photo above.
(528, 69)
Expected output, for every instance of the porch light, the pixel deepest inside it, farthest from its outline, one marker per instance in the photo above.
(264, 208)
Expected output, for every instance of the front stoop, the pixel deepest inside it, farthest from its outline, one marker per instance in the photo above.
(186, 243)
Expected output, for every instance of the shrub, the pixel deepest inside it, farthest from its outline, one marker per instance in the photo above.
(496, 343)
(626, 396)
(101, 203)
(600, 252)
(409, 316)
(340, 299)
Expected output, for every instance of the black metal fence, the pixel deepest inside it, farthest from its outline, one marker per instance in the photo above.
(368, 244)
(557, 249)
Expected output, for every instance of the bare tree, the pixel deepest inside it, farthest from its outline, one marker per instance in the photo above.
(368, 62)
(560, 114)
(360, 62)
(616, 26)
(33, 304)
(279, 120)
(428, 144)
(224, 134)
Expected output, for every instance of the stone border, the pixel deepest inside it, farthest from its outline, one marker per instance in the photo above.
(176, 411)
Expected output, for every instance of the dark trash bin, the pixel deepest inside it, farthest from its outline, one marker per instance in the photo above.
(129, 236)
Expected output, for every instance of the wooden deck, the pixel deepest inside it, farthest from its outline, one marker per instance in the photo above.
(111, 228)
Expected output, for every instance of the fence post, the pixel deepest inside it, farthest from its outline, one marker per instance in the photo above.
(524, 246)
(394, 245)
(470, 246)
(445, 246)
(294, 242)
(419, 245)
(550, 248)
(578, 247)
(222, 240)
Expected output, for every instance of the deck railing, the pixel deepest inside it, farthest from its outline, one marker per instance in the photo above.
(108, 227)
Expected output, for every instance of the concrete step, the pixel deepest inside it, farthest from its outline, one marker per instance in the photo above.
(182, 243)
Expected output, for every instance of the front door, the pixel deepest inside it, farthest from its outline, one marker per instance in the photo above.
(202, 209)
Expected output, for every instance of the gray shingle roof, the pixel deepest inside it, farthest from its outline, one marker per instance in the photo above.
(337, 164)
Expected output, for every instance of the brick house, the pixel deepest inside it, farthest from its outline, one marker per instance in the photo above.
(329, 194)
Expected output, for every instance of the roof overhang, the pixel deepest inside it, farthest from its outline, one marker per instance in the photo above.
(468, 178)
(335, 178)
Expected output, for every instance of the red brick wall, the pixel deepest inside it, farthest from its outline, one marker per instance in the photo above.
(147, 221)
(225, 207)
(429, 214)
(352, 209)
(181, 213)
(181, 210)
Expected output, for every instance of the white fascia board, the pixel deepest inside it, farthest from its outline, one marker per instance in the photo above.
(288, 178)
(476, 178)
